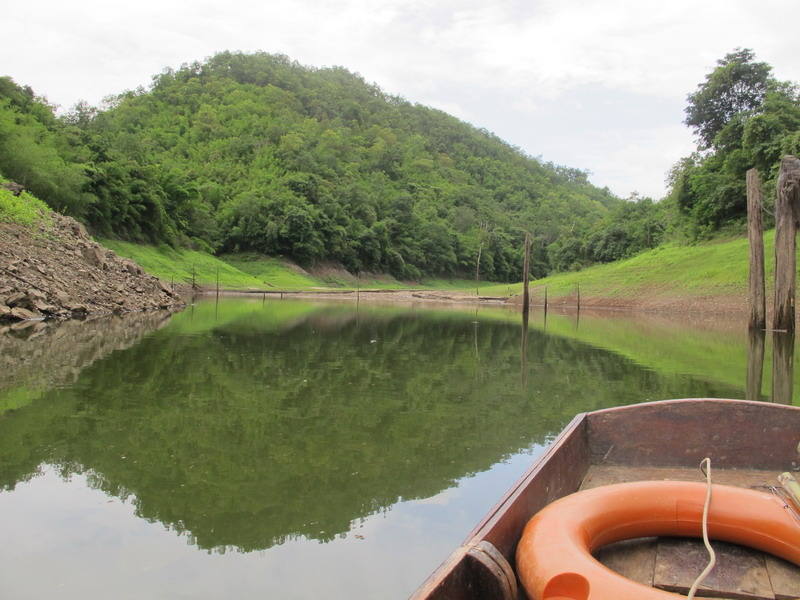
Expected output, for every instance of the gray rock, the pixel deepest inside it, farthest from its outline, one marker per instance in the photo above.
(14, 188)
(95, 256)
(17, 299)
(23, 314)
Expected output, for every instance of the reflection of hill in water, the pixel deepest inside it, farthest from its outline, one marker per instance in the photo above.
(36, 356)
(252, 432)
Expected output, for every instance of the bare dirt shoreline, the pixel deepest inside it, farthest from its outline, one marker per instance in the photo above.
(731, 306)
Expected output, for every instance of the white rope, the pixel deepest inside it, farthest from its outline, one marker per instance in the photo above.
(785, 502)
(705, 466)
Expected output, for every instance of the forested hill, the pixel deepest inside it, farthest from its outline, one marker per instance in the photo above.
(256, 152)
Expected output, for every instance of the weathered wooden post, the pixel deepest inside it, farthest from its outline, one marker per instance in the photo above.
(755, 229)
(478, 271)
(526, 275)
(787, 208)
(545, 298)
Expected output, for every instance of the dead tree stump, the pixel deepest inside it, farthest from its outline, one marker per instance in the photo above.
(787, 208)
(755, 228)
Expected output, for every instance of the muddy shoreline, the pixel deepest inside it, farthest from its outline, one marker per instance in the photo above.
(728, 306)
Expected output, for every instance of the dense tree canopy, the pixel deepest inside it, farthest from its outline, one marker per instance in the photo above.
(736, 86)
(743, 118)
(256, 152)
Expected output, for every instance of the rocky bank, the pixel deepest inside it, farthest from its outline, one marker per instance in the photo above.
(54, 270)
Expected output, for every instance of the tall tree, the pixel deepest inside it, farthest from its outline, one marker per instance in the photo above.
(738, 84)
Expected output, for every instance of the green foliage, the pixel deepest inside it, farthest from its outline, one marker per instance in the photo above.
(258, 153)
(631, 227)
(23, 210)
(737, 85)
(744, 119)
(36, 152)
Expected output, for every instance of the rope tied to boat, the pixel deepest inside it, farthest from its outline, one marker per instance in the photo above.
(705, 467)
(788, 494)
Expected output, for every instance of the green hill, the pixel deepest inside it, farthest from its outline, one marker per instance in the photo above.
(254, 152)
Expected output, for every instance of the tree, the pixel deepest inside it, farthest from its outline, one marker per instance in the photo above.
(738, 84)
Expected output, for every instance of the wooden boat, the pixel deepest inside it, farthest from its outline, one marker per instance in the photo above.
(749, 444)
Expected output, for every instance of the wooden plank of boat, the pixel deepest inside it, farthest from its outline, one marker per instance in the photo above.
(749, 444)
(785, 578)
(740, 573)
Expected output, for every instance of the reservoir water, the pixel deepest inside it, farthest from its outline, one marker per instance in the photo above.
(284, 449)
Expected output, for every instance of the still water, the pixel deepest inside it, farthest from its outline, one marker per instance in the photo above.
(283, 449)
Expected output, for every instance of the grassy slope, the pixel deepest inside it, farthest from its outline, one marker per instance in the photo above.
(177, 265)
(250, 271)
(703, 270)
(24, 209)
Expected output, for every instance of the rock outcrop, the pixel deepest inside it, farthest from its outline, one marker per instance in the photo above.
(55, 270)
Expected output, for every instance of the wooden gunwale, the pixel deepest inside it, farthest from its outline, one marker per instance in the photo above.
(676, 434)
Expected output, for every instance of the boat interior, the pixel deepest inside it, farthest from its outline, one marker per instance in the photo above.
(749, 445)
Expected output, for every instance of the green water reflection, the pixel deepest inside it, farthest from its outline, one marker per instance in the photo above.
(243, 425)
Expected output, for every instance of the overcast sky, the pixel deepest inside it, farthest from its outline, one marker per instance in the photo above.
(596, 85)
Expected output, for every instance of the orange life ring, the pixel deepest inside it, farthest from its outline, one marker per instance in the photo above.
(554, 560)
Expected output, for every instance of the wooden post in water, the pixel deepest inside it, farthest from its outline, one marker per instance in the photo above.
(545, 299)
(526, 275)
(787, 207)
(579, 296)
(478, 270)
(755, 229)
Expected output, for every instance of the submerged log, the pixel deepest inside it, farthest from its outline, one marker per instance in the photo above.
(755, 228)
(787, 208)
